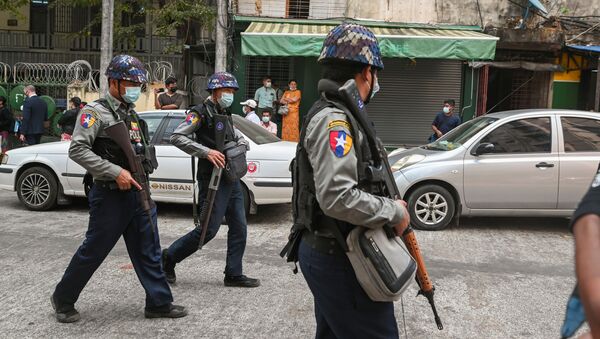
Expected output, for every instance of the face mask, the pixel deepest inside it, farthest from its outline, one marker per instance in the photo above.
(266, 120)
(268, 84)
(226, 100)
(173, 89)
(132, 94)
(446, 109)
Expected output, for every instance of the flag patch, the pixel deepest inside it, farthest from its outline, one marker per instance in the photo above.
(191, 119)
(340, 143)
(87, 119)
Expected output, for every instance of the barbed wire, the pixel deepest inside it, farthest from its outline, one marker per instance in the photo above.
(197, 86)
(4, 73)
(77, 73)
(159, 71)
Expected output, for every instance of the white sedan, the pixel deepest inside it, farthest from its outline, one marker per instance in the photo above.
(44, 176)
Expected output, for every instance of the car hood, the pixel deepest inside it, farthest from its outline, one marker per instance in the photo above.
(280, 150)
(429, 154)
(57, 147)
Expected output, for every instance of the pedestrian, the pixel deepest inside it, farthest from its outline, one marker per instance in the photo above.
(115, 208)
(332, 198)
(444, 121)
(249, 107)
(6, 125)
(169, 99)
(291, 121)
(266, 122)
(68, 119)
(229, 199)
(35, 115)
(265, 96)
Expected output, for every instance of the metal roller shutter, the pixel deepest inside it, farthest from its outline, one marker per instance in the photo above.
(412, 92)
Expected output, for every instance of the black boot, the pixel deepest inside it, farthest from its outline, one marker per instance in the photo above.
(241, 281)
(168, 267)
(167, 311)
(64, 313)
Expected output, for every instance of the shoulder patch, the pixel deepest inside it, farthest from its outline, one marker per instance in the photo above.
(340, 143)
(340, 123)
(88, 118)
(191, 118)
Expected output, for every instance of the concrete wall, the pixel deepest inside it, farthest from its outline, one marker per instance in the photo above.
(22, 21)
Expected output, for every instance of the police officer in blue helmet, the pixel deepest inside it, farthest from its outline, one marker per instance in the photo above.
(331, 196)
(205, 127)
(115, 208)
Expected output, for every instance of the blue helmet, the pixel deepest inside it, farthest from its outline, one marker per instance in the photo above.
(126, 67)
(222, 80)
(352, 42)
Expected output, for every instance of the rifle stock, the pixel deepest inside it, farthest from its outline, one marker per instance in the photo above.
(119, 133)
(209, 202)
(383, 173)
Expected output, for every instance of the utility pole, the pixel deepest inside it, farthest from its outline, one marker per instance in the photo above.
(221, 39)
(597, 103)
(106, 43)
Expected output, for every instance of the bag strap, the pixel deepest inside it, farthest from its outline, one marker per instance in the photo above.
(194, 202)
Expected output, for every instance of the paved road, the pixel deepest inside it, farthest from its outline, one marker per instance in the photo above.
(495, 278)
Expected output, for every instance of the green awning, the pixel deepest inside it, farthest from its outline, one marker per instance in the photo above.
(288, 39)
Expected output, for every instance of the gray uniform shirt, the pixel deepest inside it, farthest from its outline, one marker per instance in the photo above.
(331, 152)
(90, 124)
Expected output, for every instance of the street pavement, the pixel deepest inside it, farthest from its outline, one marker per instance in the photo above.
(495, 278)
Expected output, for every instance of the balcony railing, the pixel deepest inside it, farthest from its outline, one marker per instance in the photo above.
(21, 40)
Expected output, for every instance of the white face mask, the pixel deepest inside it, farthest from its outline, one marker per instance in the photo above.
(446, 109)
(266, 120)
(268, 84)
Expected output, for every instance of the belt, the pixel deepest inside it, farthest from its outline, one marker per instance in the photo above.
(323, 245)
(107, 184)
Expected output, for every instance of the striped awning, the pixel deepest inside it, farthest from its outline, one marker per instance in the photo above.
(290, 39)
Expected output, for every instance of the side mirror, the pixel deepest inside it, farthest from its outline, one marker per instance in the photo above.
(484, 148)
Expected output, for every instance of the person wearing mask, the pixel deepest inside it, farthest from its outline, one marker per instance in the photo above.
(169, 99)
(6, 125)
(248, 107)
(266, 122)
(35, 114)
(265, 95)
(331, 196)
(115, 207)
(444, 121)
(197, 136)
(291, 121)
(68, 119)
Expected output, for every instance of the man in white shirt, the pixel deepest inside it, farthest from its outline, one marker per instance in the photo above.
(266, 122)
(248, 107)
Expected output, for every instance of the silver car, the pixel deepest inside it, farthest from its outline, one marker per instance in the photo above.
(514, 163)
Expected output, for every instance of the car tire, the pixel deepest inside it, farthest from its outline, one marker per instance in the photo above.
(37, 189)
(431, 208)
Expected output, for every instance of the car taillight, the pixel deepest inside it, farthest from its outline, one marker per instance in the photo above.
(252, 167)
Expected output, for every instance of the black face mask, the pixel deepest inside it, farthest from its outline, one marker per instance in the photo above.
(173, 89)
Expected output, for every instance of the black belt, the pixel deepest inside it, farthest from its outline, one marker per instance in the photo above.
(329, 246)
(107, 184)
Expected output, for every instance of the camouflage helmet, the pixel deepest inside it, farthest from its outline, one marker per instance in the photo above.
(352, 42)
(222, 80)
(126, 67)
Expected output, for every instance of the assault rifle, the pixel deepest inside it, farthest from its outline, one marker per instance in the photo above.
(119, 133)
(382, 173)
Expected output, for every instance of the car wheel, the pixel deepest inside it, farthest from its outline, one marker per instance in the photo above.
(37, 189)
(247, 200)
(431, 208)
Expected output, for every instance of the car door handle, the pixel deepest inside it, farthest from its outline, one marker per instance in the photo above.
(544, 165)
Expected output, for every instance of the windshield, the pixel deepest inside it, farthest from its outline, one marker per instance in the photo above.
(456, 137)
(257, 134)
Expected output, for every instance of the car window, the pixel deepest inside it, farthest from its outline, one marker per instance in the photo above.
(461, 134)
(254, 132)
(531, 135)
(172, 125)
(153, 122)
(581, 134)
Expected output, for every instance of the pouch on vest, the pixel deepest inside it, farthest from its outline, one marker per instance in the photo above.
(235, 161)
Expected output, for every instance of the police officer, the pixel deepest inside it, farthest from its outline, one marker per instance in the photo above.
(229, 200)
(115, 208)
(331, 197)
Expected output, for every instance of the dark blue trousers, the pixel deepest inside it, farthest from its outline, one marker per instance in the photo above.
(33, 139)
(114, 213)
(229, 202)
(342, 308)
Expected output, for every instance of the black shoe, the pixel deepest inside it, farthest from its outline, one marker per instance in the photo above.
(241, 281)
(170, 311)
(65, 314)
(168, 267)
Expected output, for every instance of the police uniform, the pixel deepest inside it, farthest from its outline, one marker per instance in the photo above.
(229, 200)
(331, 196)
(113, 213)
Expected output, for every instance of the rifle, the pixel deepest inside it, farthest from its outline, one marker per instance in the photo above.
(119, 133)
(382, 173)
(213, 185)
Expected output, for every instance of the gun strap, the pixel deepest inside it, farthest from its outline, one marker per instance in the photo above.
(194, 201)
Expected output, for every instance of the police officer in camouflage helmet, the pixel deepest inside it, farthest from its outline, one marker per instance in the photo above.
(229, 200)
(331, 197)
(115, 208)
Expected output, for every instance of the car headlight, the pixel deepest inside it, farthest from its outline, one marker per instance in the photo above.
(407, 161)
(4, 159)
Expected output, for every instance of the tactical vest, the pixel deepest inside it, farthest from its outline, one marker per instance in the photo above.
(107, 149)
(214, 132)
